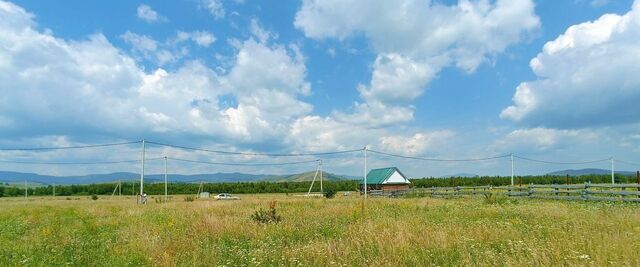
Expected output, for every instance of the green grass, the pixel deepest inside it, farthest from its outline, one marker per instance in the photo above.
(317, 232)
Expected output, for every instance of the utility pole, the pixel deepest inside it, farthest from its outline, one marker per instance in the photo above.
(321, 191)
(365, 172)
(26, 189)
(142, 170)
(512, 170)
(613, 181)
(165, 179)
(54, 190)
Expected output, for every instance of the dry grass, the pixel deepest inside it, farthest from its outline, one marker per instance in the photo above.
(317, 232)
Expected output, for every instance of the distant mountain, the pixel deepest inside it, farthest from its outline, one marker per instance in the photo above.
(306, 177)
(19, 177)
(588, 172)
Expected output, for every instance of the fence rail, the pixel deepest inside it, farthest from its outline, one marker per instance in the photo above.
(587, 191)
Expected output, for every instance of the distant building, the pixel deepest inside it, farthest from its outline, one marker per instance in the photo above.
(204, 195)
(386, 179)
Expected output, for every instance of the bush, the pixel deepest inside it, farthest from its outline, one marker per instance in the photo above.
(94, 197)
(329, 193)
(189, 198)
(493, 198)
(267, 216)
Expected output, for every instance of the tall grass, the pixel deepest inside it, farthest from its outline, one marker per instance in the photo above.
(317, 232)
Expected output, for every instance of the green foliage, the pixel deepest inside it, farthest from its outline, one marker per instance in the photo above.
(493, 198)
(296, 187)
(330, 193)
(267, 216)
(94, 197)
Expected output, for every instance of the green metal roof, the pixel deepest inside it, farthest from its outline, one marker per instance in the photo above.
(378, 176)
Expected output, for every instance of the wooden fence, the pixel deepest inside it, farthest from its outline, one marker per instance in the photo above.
(595, 192)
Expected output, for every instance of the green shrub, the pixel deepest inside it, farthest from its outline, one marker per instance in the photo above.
(329, 193)
(267, 216)
(493, 198)
(189, 198)
(94, 197)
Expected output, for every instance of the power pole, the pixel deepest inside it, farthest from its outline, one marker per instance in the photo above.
(365, 172)
(512, 170)
(26, 188)
(613, 181)
(54, 190)
(165, 179)
(321, 191)
(142, 170)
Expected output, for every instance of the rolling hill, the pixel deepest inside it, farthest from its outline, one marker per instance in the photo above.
(34, 178)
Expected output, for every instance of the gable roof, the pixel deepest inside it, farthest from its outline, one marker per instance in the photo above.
(378, 176)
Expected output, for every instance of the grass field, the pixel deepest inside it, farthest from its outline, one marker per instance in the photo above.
(317, 232)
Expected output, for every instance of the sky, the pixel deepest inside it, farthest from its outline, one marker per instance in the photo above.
(548, 80)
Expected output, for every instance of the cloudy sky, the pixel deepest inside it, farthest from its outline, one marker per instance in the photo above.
(549, 80)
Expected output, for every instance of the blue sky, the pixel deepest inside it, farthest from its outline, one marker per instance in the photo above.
(551, 80)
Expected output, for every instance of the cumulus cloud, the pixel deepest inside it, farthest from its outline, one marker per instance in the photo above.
(587, 76)
(414, 40)
(543, 139)
(396, 79)
(90, 87)
(147, 14)
(214, 7)
(415, 144)
(201, 38)
(463, 34)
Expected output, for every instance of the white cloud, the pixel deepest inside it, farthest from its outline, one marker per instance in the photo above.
(201, 38)
(147, 14)
(142, 43)
(214, 7)
(170, 51)
(91, 87)
(463, 34)
(542, 139)
(414, 40)
(259, 32)
(586, 77)
(396, 79)
(415, 144)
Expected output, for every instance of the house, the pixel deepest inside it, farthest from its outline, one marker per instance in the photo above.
(386, 179)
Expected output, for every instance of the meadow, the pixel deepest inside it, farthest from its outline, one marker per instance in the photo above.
(78, 231)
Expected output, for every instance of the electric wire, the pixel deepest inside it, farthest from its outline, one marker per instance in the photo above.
(243, 164)
(75, 163)
(255, 153)
(434, 159)
(561, 163)
(627, 162)
(68, 147)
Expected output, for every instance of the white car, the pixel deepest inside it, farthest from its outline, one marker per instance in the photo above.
(225, 196)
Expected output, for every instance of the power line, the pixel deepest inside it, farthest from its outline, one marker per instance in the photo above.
(626, 162)
(243, 164)
(562, 163)
(73, 163)
(68, 147)
(434, 159)
(255, 154)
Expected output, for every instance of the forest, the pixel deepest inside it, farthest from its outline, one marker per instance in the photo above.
(131, 188)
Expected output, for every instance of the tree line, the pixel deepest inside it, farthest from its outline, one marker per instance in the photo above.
(132, 188)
